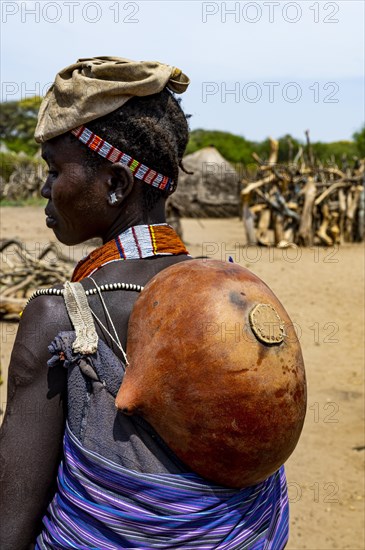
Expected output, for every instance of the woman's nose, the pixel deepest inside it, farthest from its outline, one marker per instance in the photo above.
(46, 190)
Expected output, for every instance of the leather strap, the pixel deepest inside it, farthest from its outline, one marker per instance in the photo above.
(78, 309)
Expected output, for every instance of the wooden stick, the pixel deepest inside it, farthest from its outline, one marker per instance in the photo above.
(352, 204)
(248, 223)
(274, 150)
(309, 149)
(256, 184)
(305, 233)
(322, 231)
(330, 190)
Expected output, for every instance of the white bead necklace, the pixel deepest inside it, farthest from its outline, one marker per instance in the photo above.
(103, 288)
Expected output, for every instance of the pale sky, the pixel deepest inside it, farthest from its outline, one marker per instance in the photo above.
(257, 68)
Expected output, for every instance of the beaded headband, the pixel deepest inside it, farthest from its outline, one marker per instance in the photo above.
(139, 170)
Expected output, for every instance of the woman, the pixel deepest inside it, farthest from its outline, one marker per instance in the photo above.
(118, 485)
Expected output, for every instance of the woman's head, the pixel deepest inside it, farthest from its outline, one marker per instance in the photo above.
(127, 104)
(151, 129)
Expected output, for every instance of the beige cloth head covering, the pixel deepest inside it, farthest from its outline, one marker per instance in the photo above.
(94, 87)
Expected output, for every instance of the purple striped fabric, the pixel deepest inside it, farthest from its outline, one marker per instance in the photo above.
(102, 505)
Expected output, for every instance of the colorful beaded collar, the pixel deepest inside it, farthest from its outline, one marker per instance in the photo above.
(137, 242)
(106, 150)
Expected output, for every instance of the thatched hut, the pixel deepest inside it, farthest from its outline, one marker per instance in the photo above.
(212, 190)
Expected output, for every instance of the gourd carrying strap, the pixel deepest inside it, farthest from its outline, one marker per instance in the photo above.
(86, 341)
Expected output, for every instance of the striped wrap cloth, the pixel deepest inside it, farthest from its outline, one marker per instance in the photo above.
(102, 505)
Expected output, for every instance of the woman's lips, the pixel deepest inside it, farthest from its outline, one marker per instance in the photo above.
(50, 222)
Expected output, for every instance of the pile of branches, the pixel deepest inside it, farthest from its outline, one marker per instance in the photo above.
(22, 273)
(21, 177)
(304, 201)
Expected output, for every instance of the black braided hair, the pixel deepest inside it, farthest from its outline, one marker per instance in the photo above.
(153, 130)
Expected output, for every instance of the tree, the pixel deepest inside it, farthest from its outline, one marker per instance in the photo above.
(359, 138)
(17, 124)
(235, 149)
(337, 150)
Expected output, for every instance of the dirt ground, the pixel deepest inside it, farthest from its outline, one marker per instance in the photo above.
(323, 291)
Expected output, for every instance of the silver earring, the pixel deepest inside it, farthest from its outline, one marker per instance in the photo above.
(113, 198)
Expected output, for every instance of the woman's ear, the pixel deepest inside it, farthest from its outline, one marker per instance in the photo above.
(120, 182)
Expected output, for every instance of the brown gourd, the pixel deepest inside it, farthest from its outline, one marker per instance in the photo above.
(216, 368)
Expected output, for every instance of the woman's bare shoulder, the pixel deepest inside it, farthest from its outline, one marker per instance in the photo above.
(41, 320)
